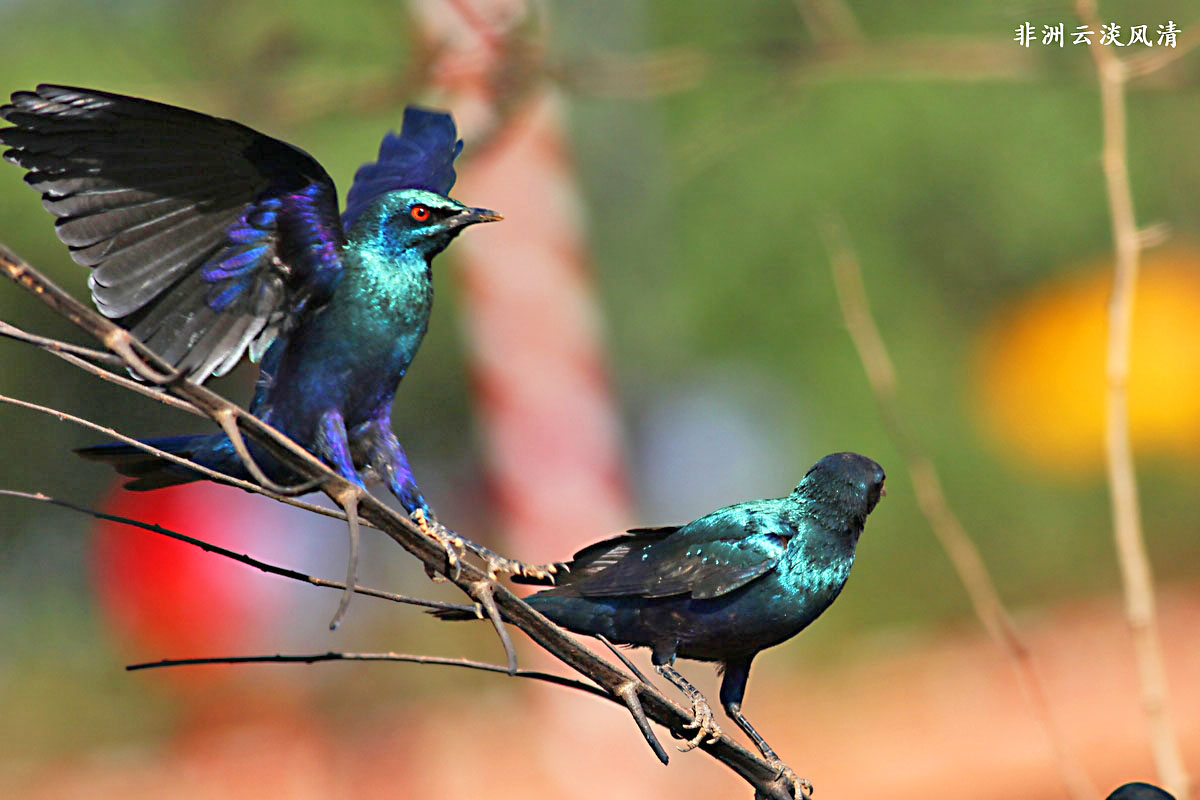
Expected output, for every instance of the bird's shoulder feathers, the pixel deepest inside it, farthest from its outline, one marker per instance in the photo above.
(710, 557)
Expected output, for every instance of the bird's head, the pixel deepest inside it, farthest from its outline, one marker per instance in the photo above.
(849, 483)
(1140, 791)
(416, 220)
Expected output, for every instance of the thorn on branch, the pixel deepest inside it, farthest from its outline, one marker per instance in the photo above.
(628, 692)
(348, 500)
(481, 591)
(121, 342)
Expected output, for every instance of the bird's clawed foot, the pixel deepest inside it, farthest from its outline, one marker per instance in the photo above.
(704, 723)
(802, 788)
(457, 547)
(454, 545)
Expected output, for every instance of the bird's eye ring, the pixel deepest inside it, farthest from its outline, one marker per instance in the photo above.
(420, 213)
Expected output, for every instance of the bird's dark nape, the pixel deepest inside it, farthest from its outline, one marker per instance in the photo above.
(1140, 791)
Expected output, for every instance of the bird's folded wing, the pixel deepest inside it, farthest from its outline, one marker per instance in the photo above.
(705, 559)
(203, 235)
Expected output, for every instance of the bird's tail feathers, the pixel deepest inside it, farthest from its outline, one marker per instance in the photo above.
(148, 470)
(457, 614)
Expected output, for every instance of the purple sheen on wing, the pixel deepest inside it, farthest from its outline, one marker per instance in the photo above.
(235, 265)
(223, 296)
(309, 227)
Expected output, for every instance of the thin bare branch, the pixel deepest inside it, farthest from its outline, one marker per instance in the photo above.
(241, 558)
(750, 766)
(629, 665)
(54, 345)
(1136, 573)
(482, 592)
(964, 556)
(89, 360)
(557, 680)
(218, 477)
(629, 698)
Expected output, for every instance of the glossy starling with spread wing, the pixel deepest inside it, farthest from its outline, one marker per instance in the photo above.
(724, 587)
(207, 239)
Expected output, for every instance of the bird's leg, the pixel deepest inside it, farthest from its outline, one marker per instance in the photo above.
(387, 457)
(377, 445)
(333, 447)
(733, 689)
(704, 723)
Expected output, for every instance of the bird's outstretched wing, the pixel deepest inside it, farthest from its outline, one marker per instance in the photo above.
(203, 235)
(707, 558)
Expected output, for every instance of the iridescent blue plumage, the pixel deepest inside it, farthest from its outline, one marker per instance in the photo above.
(725, 586)
(417, 159)
(208, 239)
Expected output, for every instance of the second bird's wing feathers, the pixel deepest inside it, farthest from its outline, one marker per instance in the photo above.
(203, 234)
(705, 559)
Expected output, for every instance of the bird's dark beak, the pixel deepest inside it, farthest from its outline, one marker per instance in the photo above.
(472, 215)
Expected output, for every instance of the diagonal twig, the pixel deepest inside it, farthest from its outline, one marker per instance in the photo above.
(948, 529)
(10, 331)
(88, 360)
(241, 558)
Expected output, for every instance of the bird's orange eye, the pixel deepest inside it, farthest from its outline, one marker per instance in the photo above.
(420, 213)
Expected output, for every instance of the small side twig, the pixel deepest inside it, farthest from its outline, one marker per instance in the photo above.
(408, 658)
(10, 331)
(1161, 57)
(931, 499)
(88, 360)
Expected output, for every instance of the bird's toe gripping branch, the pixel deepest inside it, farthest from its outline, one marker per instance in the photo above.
(457, 546)
(703, 721)
(802, 788)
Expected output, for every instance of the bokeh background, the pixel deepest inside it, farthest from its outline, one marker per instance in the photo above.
(652, 333)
